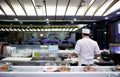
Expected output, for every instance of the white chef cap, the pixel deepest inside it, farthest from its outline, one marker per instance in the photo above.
(86, 31)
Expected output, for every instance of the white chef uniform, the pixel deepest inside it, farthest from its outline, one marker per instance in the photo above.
(86, 48)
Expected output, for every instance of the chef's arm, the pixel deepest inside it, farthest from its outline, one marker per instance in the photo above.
(96, 56)
(72, 54)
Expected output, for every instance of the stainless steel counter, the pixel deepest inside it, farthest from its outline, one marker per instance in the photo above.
(75, 71)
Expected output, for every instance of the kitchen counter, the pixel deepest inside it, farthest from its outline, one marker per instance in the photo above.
(75, 71)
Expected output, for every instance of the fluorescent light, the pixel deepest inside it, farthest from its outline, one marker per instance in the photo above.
(7, 29)
(14, 29)
(2, 29)
(11, 29)
(60, 29)
(45, 29)
(34, 30)
(67, 29)
(70, 29)
(18, 29)
(64, 29)
(52, 29)
(27, 30)
(23, 29)
(113, 8)
(47, 22)
(38, 29)
(75, 29)
(42, 29)
(15, 19)
(106, 18)
(41, 35)
(49, 30)
(74, 19)
(56, 29)
(102, 9)
(46, 19)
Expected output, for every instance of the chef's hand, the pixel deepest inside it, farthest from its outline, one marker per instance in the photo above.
(69, 56)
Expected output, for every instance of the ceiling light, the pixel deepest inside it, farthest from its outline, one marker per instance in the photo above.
(49, 30)
(42, 29)
(67, 29)
(2, 29)
(118, 13)
(56, 29)
(94, 23)
(34, 30)
(11, 29)
(14, 29)
(7, 29)
(45, 29)
(75, 29)
(27, 30)
(74, 19)
(106, 18)
(47, 22)
(18, 29)
(63, 29)
(41, 35)
(23, 29)
(47, 19)
(31, 29)
(70, 29)
(38, 29)
(15, 19)
(52, 29)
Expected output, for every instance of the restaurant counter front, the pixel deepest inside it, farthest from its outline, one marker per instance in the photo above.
(74, 71)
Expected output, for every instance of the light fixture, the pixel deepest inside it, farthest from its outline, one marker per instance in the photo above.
(7, 29)
(70, 29)
(23, 29)
(47, 22)
(18, 29)
(42, 29)
(74, 19)
(31, 29)
(118, 13)
(63, 29)
(106, 18)
(94, 23)
(47, 19)
(49, 29)
(38, 29)
(45, 29)
(11, 29)
(15, 19)
(27, 30)
(34, 30)
(21, 22)
(2, 29)
(75, 29)
(14, 29)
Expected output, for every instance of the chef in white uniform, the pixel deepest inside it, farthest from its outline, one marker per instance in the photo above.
(86, 49)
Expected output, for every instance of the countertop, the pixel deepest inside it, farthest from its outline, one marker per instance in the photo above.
(75, 71)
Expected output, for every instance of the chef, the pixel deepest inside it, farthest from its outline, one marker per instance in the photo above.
(86, 49)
